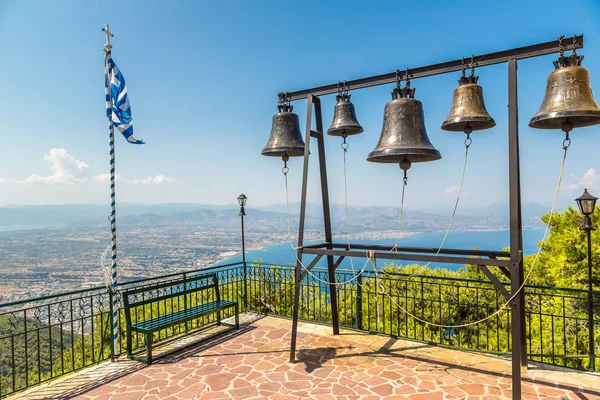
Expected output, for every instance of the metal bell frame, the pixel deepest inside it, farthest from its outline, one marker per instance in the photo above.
(509, 263)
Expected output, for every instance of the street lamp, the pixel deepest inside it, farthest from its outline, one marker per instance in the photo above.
(242, 202)
(587, 203)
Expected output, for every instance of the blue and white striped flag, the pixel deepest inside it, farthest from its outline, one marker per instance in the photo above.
(118, 110)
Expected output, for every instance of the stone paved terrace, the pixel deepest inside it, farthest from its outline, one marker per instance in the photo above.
(252, 363)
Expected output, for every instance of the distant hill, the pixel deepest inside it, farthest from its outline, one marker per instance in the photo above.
(361, 218)
(494, 216)
(62, 215)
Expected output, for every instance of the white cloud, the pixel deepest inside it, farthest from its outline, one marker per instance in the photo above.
(156, 180)
(452, 190)
(66, 170)
(105, 178)
(588, 180)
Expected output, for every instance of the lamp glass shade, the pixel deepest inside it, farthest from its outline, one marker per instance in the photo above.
(242, 200)
(586, 203)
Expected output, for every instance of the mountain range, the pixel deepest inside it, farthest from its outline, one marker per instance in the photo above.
(361, 218)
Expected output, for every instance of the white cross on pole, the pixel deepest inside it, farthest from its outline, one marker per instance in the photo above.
(108, 34)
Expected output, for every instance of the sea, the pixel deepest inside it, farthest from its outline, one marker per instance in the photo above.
(283, 253)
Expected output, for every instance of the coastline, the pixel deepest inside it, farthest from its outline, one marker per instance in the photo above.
(368, 235)
(281, 252)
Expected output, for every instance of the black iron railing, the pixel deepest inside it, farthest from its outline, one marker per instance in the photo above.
(47, 337)
(556, 318)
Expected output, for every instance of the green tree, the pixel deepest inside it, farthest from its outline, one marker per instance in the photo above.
(563, 259)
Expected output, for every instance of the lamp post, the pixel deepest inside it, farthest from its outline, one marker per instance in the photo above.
(242, 202)
(587, 203)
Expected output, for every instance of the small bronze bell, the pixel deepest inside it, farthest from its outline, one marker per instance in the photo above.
(403, 136)
(468, 112)
(286, 139)
(344, 118)
(568, 102)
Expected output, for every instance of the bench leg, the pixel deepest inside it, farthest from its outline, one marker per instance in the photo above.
(129, 333)
(149, 348)
(237, 317)
(219, 317)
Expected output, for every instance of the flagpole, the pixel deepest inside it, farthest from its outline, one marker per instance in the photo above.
(113, 214)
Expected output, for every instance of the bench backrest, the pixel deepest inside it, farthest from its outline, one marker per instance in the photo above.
(174, 290)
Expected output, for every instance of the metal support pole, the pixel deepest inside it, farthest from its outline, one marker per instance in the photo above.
(359, 324)
(242, 213)
(113, 349)
(297, 275)
(113, 213)
(590, 300)
(519, 356)
(327, 217)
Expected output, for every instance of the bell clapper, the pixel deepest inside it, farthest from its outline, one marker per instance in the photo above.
(566, 127)
(285, 168)
(345, 144)
(468, 130)
(405, 165)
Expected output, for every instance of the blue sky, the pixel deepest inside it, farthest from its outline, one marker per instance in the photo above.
(203, 78)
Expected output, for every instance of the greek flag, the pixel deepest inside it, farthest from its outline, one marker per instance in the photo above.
(117, 102)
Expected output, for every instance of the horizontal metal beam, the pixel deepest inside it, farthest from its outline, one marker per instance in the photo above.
(409, 257)
(462, 252)
(519, 53)
(314, 246)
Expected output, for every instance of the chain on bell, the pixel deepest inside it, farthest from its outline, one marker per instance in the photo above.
(403, 136)
(568, 102)
(468, 112)
(344, 118)
(286, 138)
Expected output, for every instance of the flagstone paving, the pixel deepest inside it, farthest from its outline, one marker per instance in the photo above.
(252, 363)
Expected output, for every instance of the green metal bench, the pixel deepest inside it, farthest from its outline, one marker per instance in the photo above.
(188, 301)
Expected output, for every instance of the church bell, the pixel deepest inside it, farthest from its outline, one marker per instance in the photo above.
(568, 102)
(344, 118)
(403, 136)
(468, 112)
(286, 139)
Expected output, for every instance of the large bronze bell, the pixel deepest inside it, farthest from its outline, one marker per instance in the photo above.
(286, 139)
(468, 112)
(403, 136)
(568, 102)
(344, 118)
